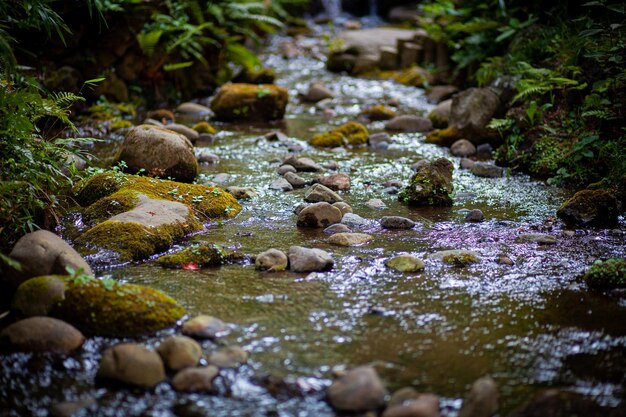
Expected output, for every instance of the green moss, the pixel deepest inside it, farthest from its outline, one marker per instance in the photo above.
(351, 133)
(121, 124)
(327, 140)
(253, 102)
(378, 112)
(204, 255)
(607, 274)
(443, 137)
(546, 156)
(93, 189)
(38, 296)
(460, 259)
(431, 185)
(415, 76)
(109, 206)
(204, 127)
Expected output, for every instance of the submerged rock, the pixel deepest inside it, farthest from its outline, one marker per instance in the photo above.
(199, 255)
(319, 215)
(320, 193)
(590, 208)
(196, 379)
(431, 185)
(132, 364)
(457, 257)
(424, 405)
(41, 334)
(359, 389)
(271, 260)
(309, 260)
(396, 222)
(251, 102)
(482, 400)
(350, 239)
(228, 357)
(406, 263)
(540, 238)
(351, 133)
(204, 327)
(179, 352)
(607, 274)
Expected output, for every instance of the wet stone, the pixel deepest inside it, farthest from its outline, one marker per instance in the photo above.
(375, 204)
(483, 169)
(283, 169)
(319, 193)
(206, 157)
(467, 163)
(179, 352)
(482, 400)
(484, 151)
(355, 221)
(318, 215)
(132, 364)
(405, 263)
(505, 260)
(309, 260)
(188, 132)
(457, 257)
(425, 405)
(343, 207)
(337, 228)
(294, 179)
(335, 182)
(281, 184)
(41, 334)
(359, 389)
(402, 395)
(379, 140)
(205, 327)
(242, 193)
(350, 239)
(196, 379)
(540, 238)
(228, 357)
(475, 215)
(463, 147)
(302, 164)
(317, 92)
(69, 408)
(396, 222)
(271, 260)
(409, 124)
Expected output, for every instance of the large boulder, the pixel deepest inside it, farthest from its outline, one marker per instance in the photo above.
(590, 208)
(471, 112)
(42, 253)
(252, 102)
(98, 307)
(159, 152)
(431, 185)
(358, 390)
(132, 364)
(41, 334)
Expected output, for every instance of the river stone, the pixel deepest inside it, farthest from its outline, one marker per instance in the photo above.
(132, 364)
(475, 215)
(281, 184)
(318, 215)
(350, 239)
(320, 193)
(402, 395)
(242, 193)
(487, 170)
(70, 408)
(409, 123)
(425, 405)
(590, 208)
(204, 327)
(250, 102)
(335, 182)
(456, 257)
(540, 238)
(343, 207)
(205, 157)
(463, 148)
(440, 115)
(192, 112)
(467, 163)
(294, 179)
(405, 263)
(375, 204)
(228, 357)
(41, 334)
(482, 400)
(356, 221)
(188, 132)
(359, 389)
(180, 352)
(159, 152)
(337, 228)
(302, 164)
(50, 291)
(379, 140)
(309, 260)
(431, 185)
(472, 110)
(317, 92)
(438, 93)
(271, 260)
(42, 253)
(284, 169)
(195, 379)
(396, 222)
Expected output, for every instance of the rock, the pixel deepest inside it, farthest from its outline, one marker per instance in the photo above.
(50, 292)
(309, 260)
(295, 180)
(359, 389)
(196, 379)
(159, 151)
(242, 193)
(375, 204)
(505, 260)
(484, 151)
(475, 216)
(556, 403)
(352, 25)
(228, 357)
(539, 238)
(317, 92)
(204, 327)
(318, 215)
(162, 116)
(200, 255)
(483, 169)
(467, 163)
(42, 253)
(590, 208)
(281, 184)
(271, 260)
(472, 110)
(86, 304)
(70, 408)
(255, 76)
(607, 274)
(438, 93)
(205, 157)
(440, 115)
(320, 193)
(343, 207)
(283, 169)
(409, 124)
(482, 400)
(457, 257)
(193, 111)
(377, 112)
(188, 132)
(132, 364)
(396, 222)
(367, 42)
(351, 133)
(250, 102)
(340, 62)
(221, 179)
(379, 140)
(180, 352)
(402, 395)
(425, 405)
(354, 220)
(350, 239)
(337, 228)
(463, 148)
(431, 185)
(405, 263)
(302, 164)
(443, 137)
(41, 334)
(337, 181)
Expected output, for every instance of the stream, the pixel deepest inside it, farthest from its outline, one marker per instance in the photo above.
(530, 326)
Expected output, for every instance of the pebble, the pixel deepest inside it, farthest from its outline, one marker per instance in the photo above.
(317, 92)
(350, 239)
(337, 228)
(379, 140)
(205, 327)
(396, 222)
(475, 216)
(484, 151)
(179, 352)
(294, 179)
(318, 193)
(391, 190)
(281, 184)
(132, 364)
(359, 389)
(335, 182)
(425, 405)
(457, 257)
(283, 169)
(192, 110)
(505, 260)
(463, 147)
(195, 379)
(271, 260)
(318, 215)
(275, 136)
(221, 179)
(376, 204)
(309, 260)
(419, 164)
(405, 263)
(332, 165)
(402, 395)
(228, 357)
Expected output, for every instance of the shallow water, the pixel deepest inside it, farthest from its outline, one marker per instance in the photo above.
(531, 325)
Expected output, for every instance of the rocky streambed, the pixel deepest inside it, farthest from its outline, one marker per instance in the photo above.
(431, 298)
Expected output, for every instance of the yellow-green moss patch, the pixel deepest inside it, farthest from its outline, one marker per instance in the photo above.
(109, 206)
(203, 255)
(351, 133)
(253, 102)
(378, 112)
(204, 127)
(443, 137)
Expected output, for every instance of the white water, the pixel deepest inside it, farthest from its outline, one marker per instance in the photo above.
(333, 8)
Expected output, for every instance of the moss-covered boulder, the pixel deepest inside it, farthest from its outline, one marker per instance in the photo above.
(607, 274)
(378, 112)
(351, 133)
(252, 102)
(98, 307)
(159, 152)
(590, 208)
(443, 137)
(431, 185)
(255, 76)
(196, 256)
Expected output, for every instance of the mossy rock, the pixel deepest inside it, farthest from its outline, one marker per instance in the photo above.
(607, 274)
(431, 185)
(351, 133)
(204, 127)
(378, 112)
(102, 307)
(590, 208)
(251, 102)
(443, 137)
(415, 76)
(203, 255)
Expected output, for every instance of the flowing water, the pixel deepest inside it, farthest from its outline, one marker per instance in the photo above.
(530, 326)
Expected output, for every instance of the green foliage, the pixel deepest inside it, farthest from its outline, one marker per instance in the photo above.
(607, 274)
